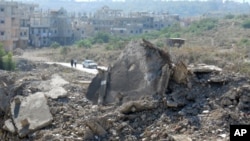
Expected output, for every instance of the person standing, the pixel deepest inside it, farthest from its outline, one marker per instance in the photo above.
(75, 62)
(72, 62)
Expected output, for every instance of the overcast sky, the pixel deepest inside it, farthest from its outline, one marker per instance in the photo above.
(173, 0)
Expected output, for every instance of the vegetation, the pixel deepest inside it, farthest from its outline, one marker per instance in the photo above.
(6, 62)
(86, 43)
(64, 51)
(246, 23)
(55, 45)
(202, 25)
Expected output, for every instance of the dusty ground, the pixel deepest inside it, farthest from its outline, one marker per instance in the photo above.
(201, 112)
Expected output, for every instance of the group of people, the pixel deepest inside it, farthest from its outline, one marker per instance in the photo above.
(73, 62)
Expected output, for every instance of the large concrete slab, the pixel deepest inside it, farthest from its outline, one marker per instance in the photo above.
(142, 70)
(30, 113)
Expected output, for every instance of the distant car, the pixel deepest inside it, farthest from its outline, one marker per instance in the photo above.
(89, 64)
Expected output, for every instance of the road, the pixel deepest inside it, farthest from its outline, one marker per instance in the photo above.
(79, 67)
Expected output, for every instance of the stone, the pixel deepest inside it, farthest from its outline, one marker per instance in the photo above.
(141, 70)
(56, 92)
(31, 114)
(172, 104)
(96, 128)
(180, 138)
(8, 126)
(203, 68)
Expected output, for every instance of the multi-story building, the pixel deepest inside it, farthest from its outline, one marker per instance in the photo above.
(14, 24)
(22, 24)
(50, 26)
(117, 23)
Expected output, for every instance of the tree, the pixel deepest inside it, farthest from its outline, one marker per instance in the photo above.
(102, 37)
(8, 63)
(2, 53)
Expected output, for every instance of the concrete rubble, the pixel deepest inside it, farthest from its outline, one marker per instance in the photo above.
(164, 100)
(30, 113)
(142, 70)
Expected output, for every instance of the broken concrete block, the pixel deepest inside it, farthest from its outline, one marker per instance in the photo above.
(30, 114)
(203, 68)
(8, 126)
(96, 128)
(180, 73)
(137, 106)
(172, 104)
(180, 138)
(56, 92)
(141, 70)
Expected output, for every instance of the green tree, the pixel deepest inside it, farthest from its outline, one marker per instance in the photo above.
(2, 53)
(8, 63)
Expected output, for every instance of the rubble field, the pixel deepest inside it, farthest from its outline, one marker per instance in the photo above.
(146, 96)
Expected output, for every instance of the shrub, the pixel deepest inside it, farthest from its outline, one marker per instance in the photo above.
(55, 45)
(246, 24)
(8, 63)
(84, 43)
(244, 42)
(229, 16)
(64, 51)
(202, 25)
(2, 53)
(101, 37)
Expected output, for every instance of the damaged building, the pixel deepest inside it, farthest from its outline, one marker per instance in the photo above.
(15, 23)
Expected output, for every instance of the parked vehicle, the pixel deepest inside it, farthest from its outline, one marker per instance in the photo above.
(89, 64)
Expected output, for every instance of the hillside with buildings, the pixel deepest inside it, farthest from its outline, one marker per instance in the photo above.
(41, 23)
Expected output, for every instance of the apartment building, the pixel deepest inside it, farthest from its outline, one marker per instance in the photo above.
(50, 26)
(14, 24)
(116, 22)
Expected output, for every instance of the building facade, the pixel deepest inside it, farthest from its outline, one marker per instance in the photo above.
(14, 24)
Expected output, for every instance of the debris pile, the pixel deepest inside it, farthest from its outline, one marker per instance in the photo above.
(143, 96)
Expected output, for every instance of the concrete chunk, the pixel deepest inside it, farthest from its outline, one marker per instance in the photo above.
(57, 92)
(142, 70)
(31, 114)
(8, 126)
(203, 68)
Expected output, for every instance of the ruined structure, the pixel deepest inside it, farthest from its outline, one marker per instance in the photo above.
(52, 26)
(172, 42)
(14, 24)
(141, 71)
(23, 24)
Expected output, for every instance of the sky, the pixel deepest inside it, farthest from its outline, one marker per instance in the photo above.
(173, 0)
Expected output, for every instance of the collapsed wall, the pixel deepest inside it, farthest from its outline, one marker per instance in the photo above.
(142, 70)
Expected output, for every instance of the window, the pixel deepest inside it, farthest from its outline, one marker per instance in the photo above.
(25, 33)
(2, 9)
(44, 30)
(2, 21)
(2, 33)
